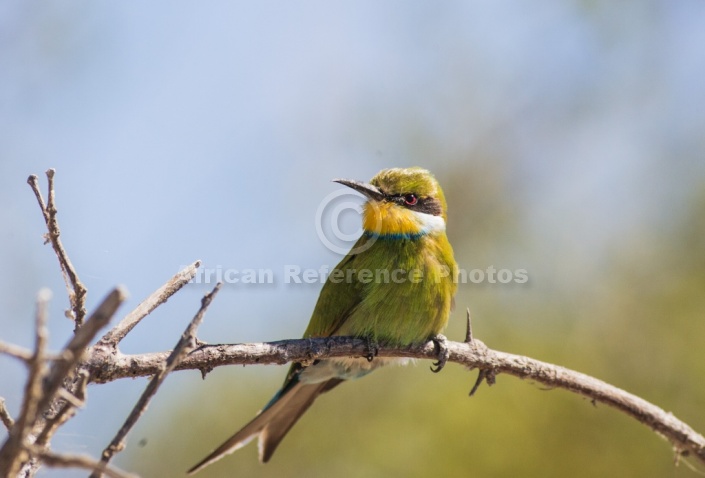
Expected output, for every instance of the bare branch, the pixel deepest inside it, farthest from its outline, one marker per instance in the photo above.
(24, 355)
(37, 369)
(5, 415)
(70, 398)
(15, 351)
(474, 355)
(11, 453)
(74, 286)
(158, 297)
(67, 409)
(40, 393)
(34, 184)
(78, 461)
(76, 348)
(186, 344)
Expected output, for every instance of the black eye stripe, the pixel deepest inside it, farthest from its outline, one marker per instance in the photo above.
(427, 205)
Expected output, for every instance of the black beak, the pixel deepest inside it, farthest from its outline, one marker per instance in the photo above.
(370, 191)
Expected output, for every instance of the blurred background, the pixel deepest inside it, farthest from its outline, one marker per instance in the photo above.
(569, 138)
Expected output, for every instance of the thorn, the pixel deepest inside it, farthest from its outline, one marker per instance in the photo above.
(488, 375)
(205, 371)
(468, 333)
(478, 382)
(443, 353)
(206, 299)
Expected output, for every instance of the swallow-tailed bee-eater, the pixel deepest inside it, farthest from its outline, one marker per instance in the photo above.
(404, 232)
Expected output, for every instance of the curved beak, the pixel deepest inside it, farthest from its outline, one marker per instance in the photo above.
(368, 190)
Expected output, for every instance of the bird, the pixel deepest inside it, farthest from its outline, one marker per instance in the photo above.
(404, 231)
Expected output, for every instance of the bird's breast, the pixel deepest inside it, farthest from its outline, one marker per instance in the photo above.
(409, 295)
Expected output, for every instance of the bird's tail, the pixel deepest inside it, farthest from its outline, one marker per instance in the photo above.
(273, 422)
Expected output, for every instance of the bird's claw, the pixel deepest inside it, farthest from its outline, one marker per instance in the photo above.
(372, 348)
(440, 341)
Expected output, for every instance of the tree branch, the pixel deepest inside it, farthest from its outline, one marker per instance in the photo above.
(43, 389)
(77, 461)
(74, 286)
(474, 355)
(20, 353)
(12, 451)
(158, 297)
(76, 348)
(67, 410)
(5, 416)
(186, 344)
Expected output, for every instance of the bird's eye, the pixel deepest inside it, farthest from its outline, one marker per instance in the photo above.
(410, 199)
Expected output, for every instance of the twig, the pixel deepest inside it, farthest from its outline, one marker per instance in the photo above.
(34, 184)
(67, 410)
(24, 355)
(76, 348)
(37, 369)
(68, 397)
(11, 453)
(74, 286)
(158, 297)
(473, 355)
(78, 461)
(5, 415)
(15, 351)
(185, 345)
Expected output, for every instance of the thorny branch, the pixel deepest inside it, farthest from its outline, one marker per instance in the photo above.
(47, 391)
(78, 461)
(21, 428)
(48, 405)
(158, 297)
(76, 348)
(55, 384)
(186, 344)
(474, 355)
(74, 286)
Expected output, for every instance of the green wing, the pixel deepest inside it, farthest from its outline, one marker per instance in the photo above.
(337, 300)
(339, 297)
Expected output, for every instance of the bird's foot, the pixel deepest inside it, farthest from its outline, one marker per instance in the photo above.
(441, 343)
(372, 348)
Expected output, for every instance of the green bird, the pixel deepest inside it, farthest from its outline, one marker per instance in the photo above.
(404, 298)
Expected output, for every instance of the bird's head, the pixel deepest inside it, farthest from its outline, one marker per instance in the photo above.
(403, 202)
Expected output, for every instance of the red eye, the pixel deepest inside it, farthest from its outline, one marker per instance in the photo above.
(411, 199)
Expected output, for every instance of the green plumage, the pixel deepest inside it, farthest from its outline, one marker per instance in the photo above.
(412, 309)
(395, 287)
